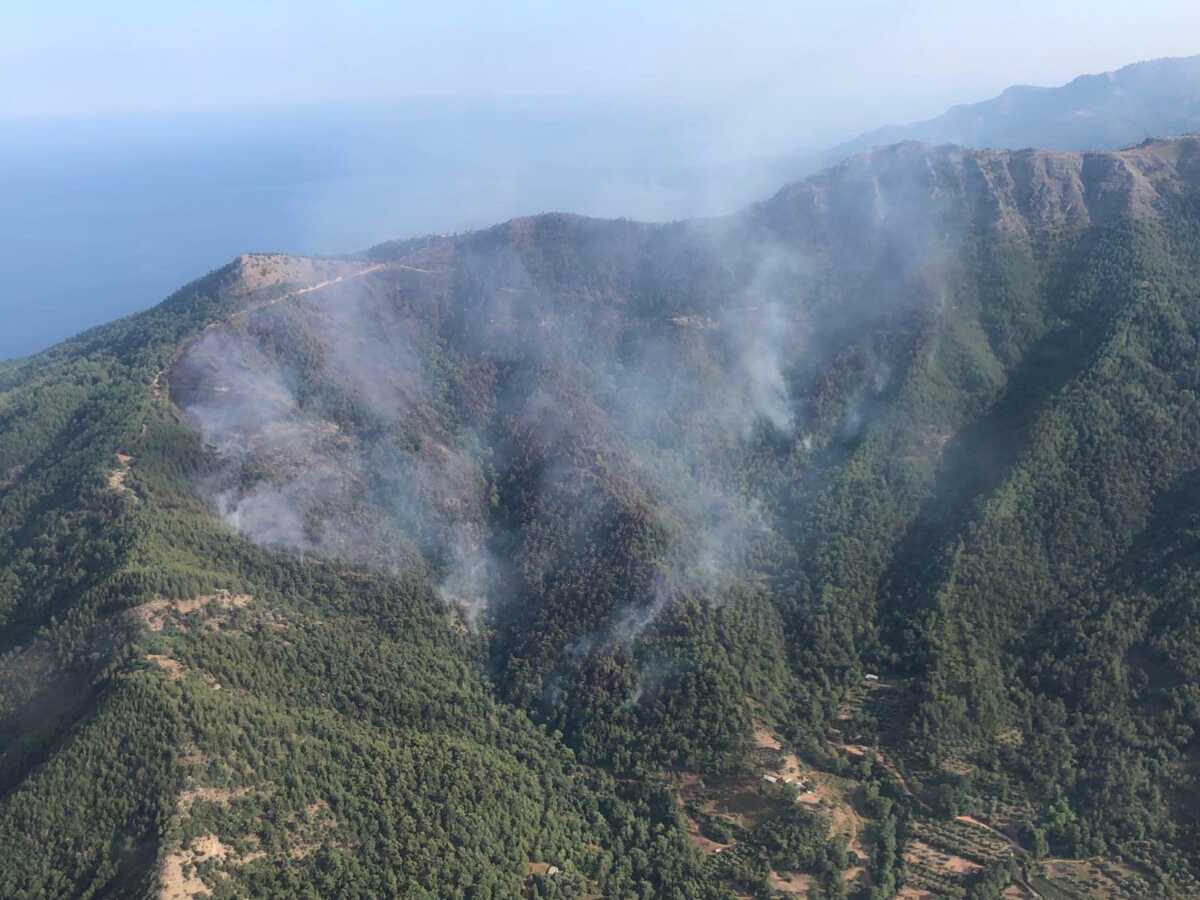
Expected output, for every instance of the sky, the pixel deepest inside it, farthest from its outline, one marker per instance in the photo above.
(831, 68)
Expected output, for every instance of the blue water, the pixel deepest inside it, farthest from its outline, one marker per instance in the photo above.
(103, 217)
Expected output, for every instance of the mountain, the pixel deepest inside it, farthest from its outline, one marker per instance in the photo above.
(320, 179)
(840, 546)
(1153, 99)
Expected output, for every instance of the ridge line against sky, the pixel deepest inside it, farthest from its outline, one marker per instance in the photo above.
(863, 64)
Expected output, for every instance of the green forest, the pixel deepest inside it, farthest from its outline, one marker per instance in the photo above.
(813, 551)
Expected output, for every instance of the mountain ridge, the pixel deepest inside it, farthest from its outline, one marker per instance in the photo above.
(859, 490)
(1149, 99)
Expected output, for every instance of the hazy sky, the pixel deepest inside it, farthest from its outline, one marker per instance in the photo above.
(830, 66)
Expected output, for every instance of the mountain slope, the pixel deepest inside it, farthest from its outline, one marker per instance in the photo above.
(1157, 98)
(511, 563)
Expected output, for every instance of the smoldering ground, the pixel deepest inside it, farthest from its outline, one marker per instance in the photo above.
(327, 436)
(557, 368)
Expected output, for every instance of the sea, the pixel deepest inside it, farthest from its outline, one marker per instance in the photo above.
(103, 216)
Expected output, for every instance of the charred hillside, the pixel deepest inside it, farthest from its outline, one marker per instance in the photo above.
(538, 547)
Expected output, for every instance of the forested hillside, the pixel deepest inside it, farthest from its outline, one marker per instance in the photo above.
(843, 547)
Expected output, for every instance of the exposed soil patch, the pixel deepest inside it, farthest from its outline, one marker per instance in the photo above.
(116, 478)
(1010, 737)
(793, 883)
(742, 801)
(918, 853)
(764, 740)
(179, 871)
(175, 670)
(819, 791)
(178, 874)
(310, 288)
(172, 667)
(262, 270)
(155, 614)
(221, 796)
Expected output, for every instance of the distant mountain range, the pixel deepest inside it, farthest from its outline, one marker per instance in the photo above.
(1158, 98)
(1153, 99)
